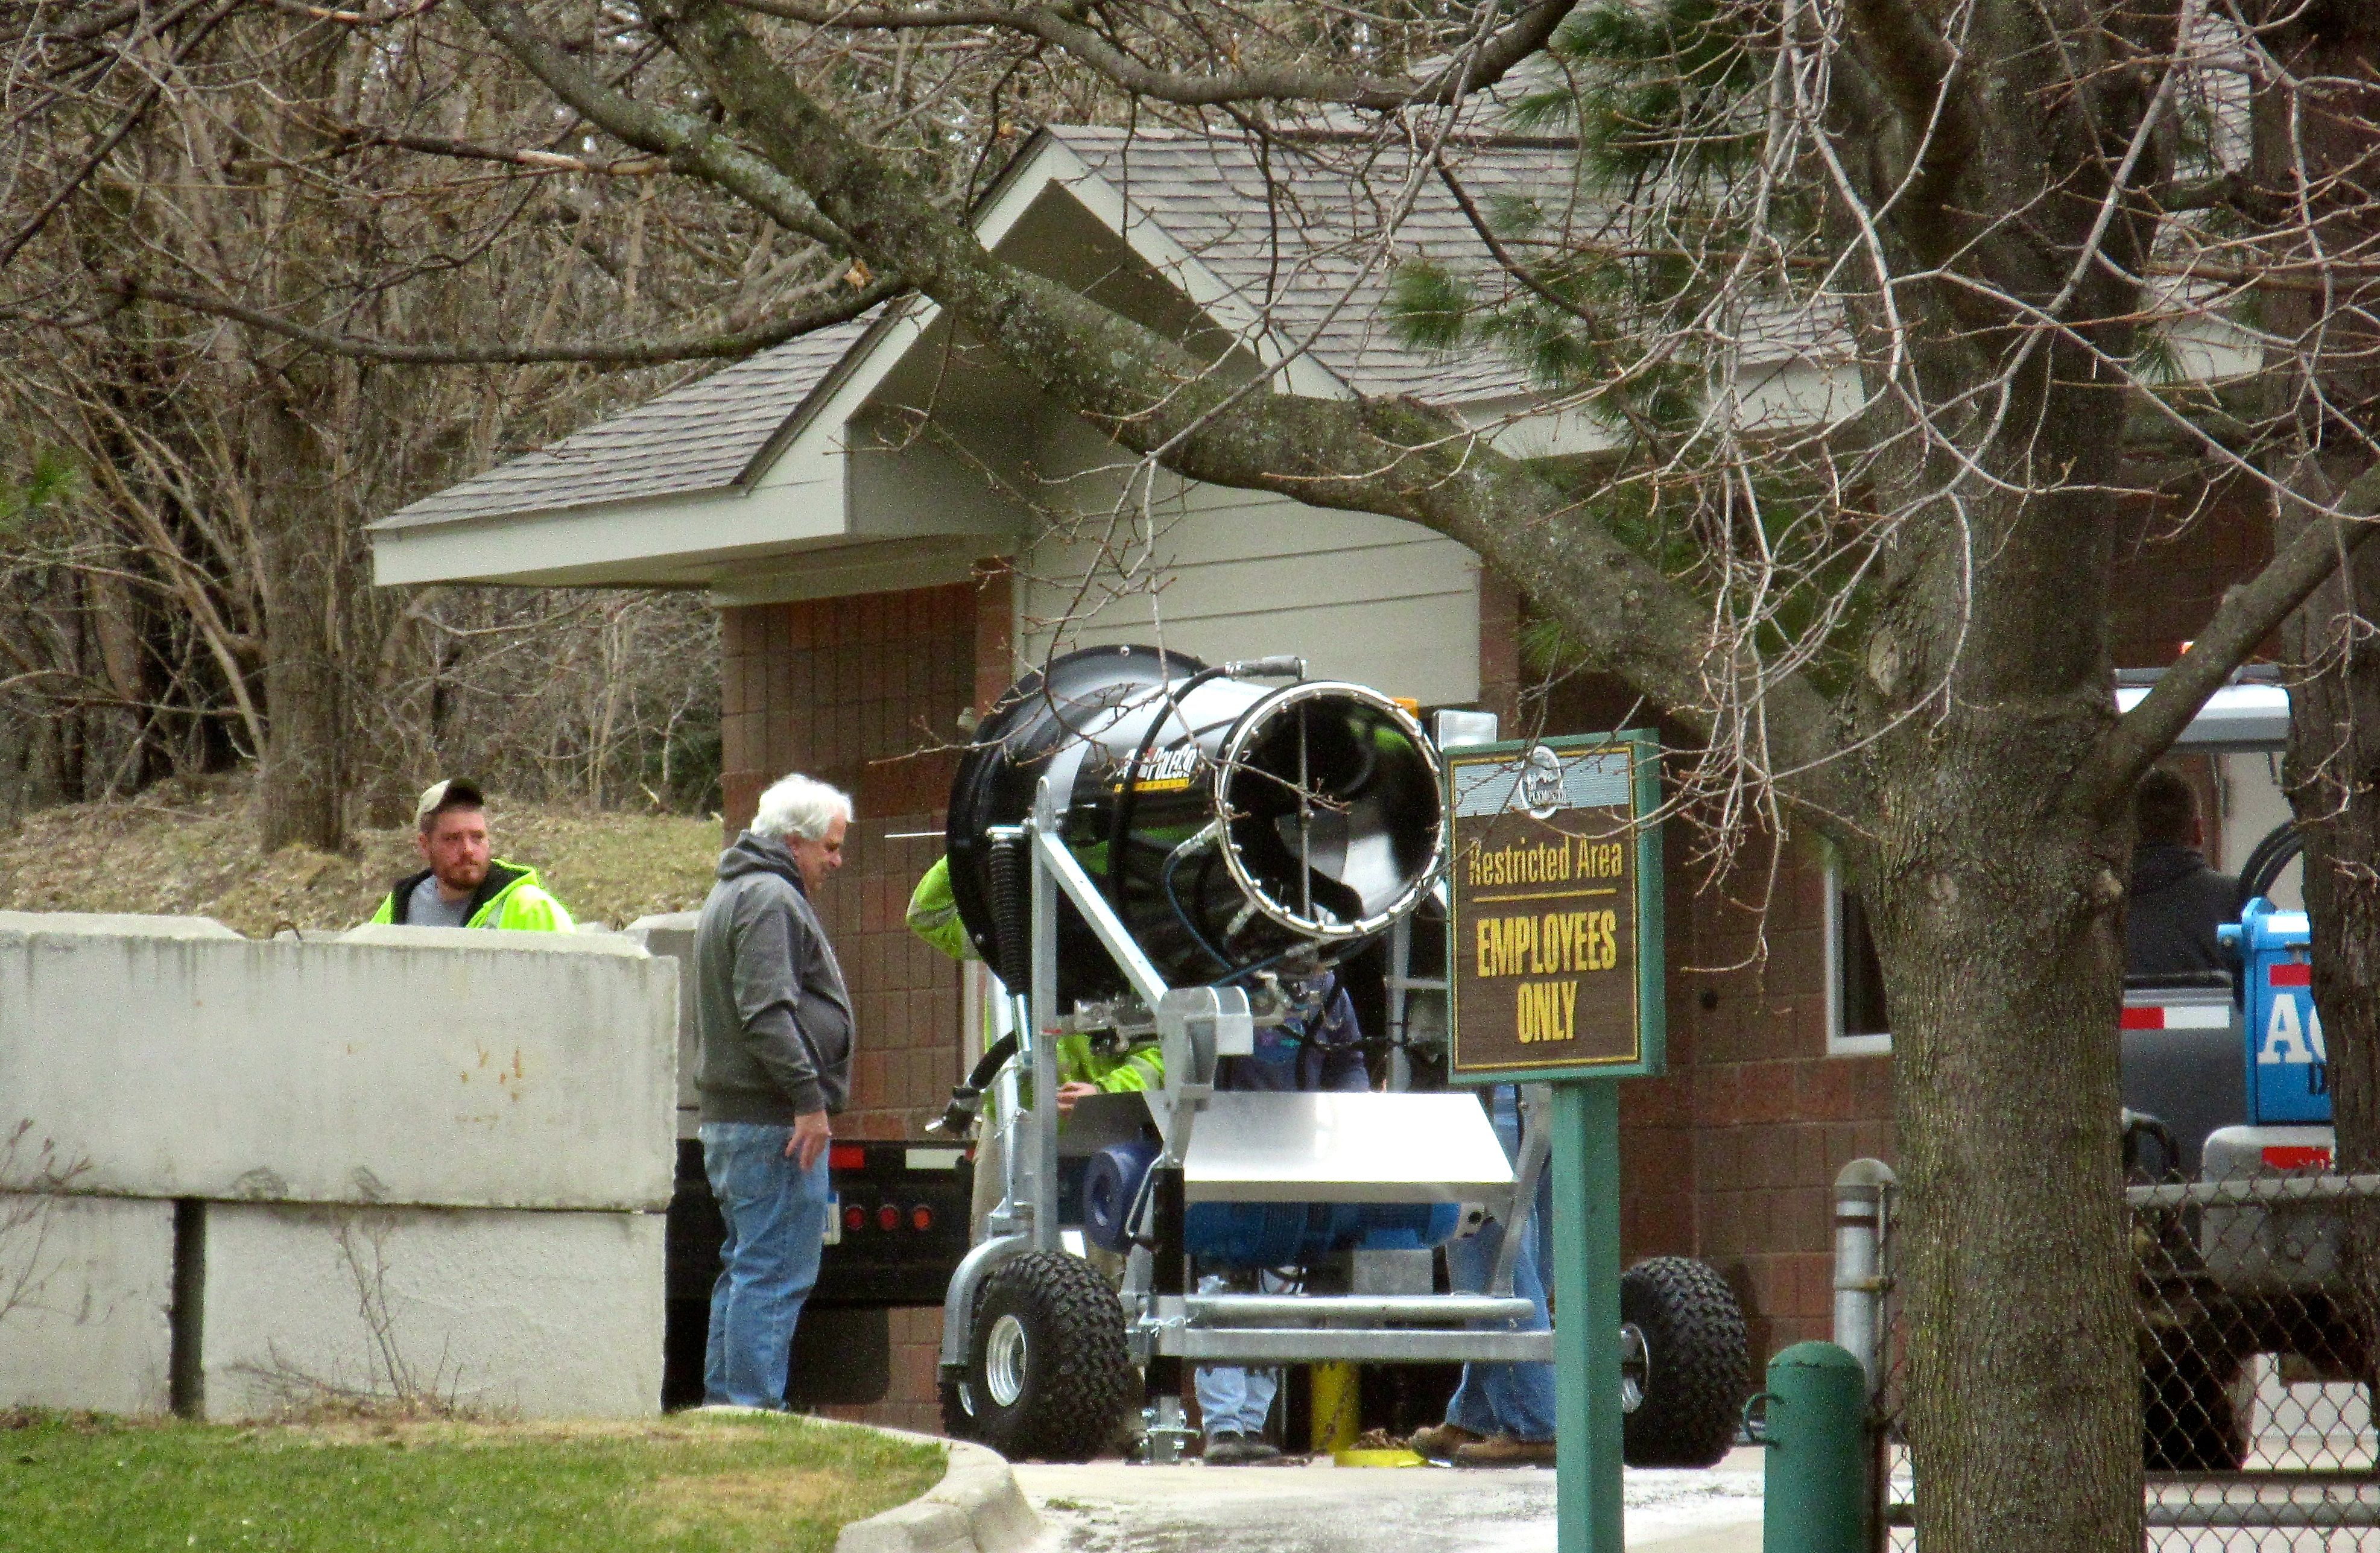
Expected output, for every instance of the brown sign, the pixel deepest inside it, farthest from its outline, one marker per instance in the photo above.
(1544, 871)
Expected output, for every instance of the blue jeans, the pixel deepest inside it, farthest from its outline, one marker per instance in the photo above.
(1515, 1399)
(776, 1227)
(1232, 1401)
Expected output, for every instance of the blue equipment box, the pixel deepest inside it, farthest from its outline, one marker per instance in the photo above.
(2288, 1068)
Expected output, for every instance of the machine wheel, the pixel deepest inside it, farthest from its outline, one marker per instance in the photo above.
(1046, 1372)
(1689, 1360)
(2190, 1418)
(958, 1407)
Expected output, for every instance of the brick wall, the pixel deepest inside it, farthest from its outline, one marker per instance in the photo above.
(2177, 551)
(1773, 1117)
(851, 690)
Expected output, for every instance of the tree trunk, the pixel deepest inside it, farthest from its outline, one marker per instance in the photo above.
(2023, 1411)
(2333, 783)
(2332, 768)
(1995, 873)
(302, 778)
(2002, 965)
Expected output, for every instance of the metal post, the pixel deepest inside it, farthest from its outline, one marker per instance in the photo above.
(1043, 1031)
(1587, 1337)
(1815, 1491)
(1169, 1276)
(1400, 996)
(1337, 1400)
(1860, 1283)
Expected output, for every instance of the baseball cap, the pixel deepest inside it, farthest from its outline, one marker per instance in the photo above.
(454, 793)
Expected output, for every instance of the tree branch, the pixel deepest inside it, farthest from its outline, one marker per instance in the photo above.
(691, 145)
(358, 137)
(1396, 456)
(2248, 613)
(33, 225)
(831, 309)
(1598, 333)
(1520, 38)
(1918, 73)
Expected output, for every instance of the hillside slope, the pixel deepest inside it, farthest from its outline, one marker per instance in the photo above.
(188, 848)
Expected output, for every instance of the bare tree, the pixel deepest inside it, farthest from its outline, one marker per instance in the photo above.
(2016, 253)
(199, 595)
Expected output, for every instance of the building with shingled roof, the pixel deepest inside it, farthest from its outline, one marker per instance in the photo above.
(893, 526)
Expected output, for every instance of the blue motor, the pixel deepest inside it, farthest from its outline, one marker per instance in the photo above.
(1257, 1234)
(1111, 1186)
(1292, 1234)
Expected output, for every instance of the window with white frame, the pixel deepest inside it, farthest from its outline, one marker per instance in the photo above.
(1857, 1021)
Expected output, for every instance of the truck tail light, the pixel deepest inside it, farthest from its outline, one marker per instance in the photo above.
(921, 1217)
(847, 1156)
(888, 1217)
(855, 1219)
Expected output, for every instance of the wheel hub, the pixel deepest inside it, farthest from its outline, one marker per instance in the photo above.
(1004, 1361)
(1635, 1366)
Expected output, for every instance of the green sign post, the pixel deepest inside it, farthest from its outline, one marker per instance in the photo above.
(1554, 971)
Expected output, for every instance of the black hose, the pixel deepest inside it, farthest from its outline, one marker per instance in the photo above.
(2266, 860)
(993, 1060)
(1012, 917)
(2138, 1125)
(967, 1100)
(1257, 668)
(1120, 825)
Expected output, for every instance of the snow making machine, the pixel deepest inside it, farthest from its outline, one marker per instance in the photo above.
(1146, 848)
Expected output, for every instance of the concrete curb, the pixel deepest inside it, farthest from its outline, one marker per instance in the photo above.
(977, 1508)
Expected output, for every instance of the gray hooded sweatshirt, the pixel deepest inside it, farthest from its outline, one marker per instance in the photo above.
(770, 1004)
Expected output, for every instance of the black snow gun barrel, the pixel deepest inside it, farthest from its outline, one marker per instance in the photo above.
(1234, 826)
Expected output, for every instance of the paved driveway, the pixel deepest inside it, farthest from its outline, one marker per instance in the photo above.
(1110, 1508)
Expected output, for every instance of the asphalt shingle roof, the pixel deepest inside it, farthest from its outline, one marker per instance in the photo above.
(1310, 236)
(697, 437)
(1306, 241)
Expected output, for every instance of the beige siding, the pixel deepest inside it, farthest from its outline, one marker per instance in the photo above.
(1242, 574)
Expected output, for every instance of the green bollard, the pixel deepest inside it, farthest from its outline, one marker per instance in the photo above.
(1816, 1479)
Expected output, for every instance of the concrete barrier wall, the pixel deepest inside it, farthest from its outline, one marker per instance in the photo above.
(435, 1066)
(673, 935)
(85, 1285)
(426, 1161)
(535, 1313)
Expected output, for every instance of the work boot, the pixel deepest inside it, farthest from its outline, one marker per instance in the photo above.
(1232, 1449)
(1504, 1450)
(1438, 1442)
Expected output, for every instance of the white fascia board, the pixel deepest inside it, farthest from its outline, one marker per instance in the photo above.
(1772, 398)
(816, 445)
(1529, 427)
(676, 539)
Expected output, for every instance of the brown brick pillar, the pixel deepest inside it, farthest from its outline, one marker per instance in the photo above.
(866, 692)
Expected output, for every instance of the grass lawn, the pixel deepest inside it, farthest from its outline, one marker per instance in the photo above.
(684, 1484)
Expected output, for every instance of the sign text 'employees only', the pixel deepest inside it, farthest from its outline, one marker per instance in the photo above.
(1546, 915)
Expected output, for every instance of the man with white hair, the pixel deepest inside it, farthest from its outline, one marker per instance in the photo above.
(774, 1021)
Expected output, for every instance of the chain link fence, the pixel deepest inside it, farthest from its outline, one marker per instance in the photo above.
(2254, 1337)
